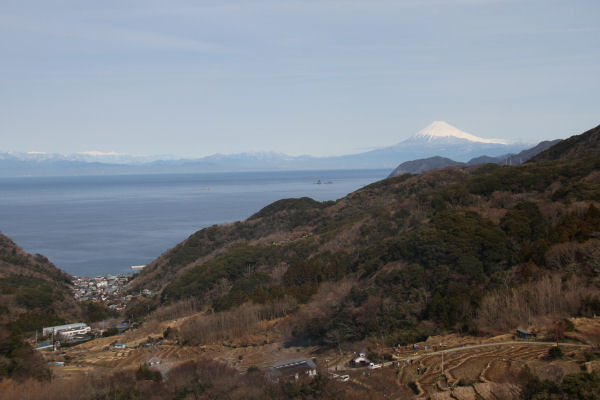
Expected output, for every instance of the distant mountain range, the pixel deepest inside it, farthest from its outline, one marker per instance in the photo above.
(426, 164)
(437, 139)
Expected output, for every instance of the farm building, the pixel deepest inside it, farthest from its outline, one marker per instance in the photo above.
(122, 327)
(45, 346)
(292, 369)
(524, 334)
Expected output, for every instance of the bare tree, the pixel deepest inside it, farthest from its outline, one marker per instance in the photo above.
(547, 298)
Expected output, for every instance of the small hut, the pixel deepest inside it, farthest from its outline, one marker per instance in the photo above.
(524, 334)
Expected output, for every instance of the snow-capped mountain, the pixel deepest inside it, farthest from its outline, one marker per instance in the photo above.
(440, 130)
(266, 156)
(85, 156)
(437, 139)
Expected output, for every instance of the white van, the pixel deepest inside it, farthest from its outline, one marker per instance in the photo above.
(374, 366)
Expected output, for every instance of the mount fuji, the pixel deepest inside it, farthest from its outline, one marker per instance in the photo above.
(437, 139)
(439, 131)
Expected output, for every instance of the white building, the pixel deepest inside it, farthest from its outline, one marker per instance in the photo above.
(69, 334)
(68, 330)
(361, 359)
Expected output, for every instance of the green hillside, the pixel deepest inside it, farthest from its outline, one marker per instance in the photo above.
(574, 148)
(33, 293)
(421, 253)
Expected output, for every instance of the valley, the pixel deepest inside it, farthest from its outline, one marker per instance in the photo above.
(489, 367)
(452, 263)
(299, 200)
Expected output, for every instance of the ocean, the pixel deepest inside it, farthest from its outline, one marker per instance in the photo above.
(99, 225)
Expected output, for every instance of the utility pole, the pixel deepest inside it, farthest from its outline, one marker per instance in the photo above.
(442, 363)
(382, 359)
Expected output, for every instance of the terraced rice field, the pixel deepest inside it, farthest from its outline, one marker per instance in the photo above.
(472, 367)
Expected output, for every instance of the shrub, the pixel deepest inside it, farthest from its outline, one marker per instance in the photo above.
(588, 356)
(110, 332)
(464, 382)
(146, 374)
(568, 325)
(555, 352)
(170, 333)
(574, 387)
(94, 311)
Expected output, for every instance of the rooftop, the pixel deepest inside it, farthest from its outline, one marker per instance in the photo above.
(63, 327)
(294, 362)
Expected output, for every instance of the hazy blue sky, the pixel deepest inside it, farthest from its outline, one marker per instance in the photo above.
(319, 77)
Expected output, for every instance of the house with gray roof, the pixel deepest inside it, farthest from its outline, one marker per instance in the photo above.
(296, 369)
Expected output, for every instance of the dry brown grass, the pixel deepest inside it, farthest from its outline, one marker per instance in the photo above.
(321, 305)
(235, 324)
(176, 310)
(548, 298)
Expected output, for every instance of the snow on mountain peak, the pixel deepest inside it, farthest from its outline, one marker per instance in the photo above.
(441, 129)
(100, 153)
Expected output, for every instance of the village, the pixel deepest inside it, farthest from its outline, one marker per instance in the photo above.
(433, 365)
(108, 290)
(433, 368)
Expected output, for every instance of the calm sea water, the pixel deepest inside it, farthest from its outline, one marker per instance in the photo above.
(96, 225)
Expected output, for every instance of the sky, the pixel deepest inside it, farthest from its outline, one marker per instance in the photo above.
(319, 77)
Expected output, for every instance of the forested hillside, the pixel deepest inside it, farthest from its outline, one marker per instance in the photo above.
(414, 254)
(460, 252)
(576, 147)
(33, 293)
